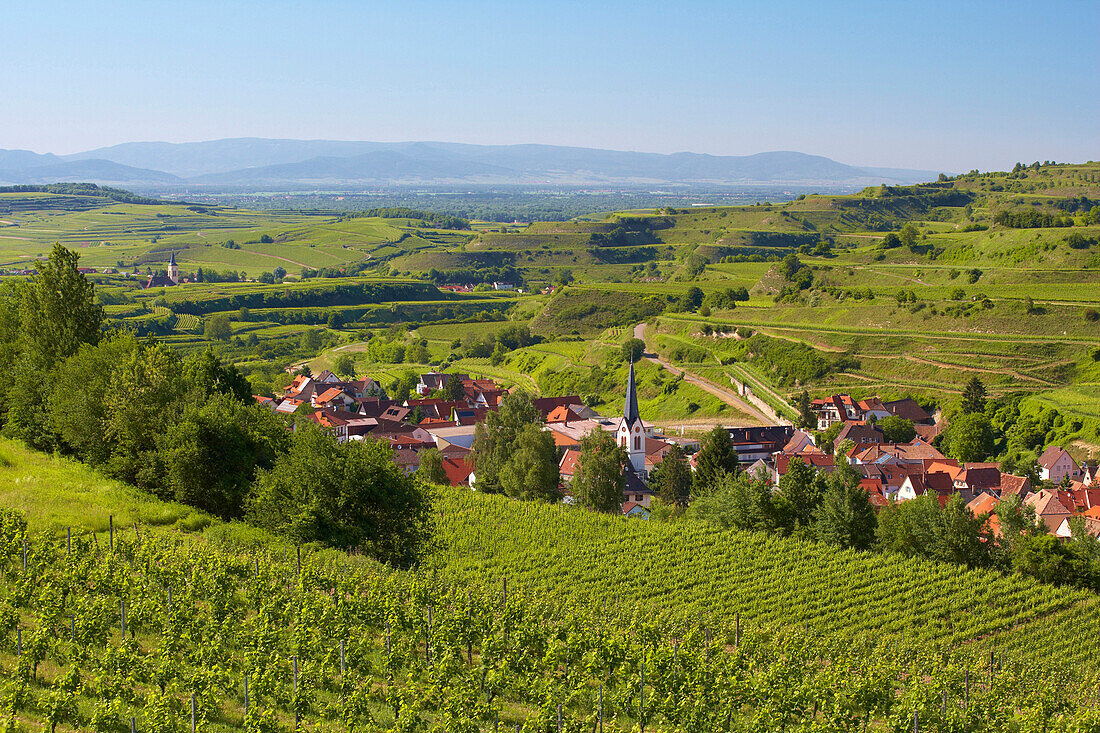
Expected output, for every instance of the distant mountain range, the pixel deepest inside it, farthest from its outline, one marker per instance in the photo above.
(266, 163)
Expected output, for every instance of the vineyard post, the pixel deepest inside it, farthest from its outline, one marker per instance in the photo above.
(675, 651)
(111, 521)
(428, 638)
(68, 540)
(296, 721)
(18, 641)
(991, 670)
(641, 698)
(707, 633)
(169, 599)
(122, 608)
(246, 695)
(341, 657)
(72, 620)
(916, 723)
(945, 703)
(559, 717)
(256, 573)
(192, 712)
(133, 725)
(299, 550)
(137, 536)
(387, 637)
(24, 554)
(601, 707)
(737, 631)
(966, 700)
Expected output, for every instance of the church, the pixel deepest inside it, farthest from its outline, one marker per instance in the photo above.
(160, 281)
(631, 435)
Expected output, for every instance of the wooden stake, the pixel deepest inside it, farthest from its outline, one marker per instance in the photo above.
(169, 599)
(966, 700)
(916, 723)
(69, 540)
(133, 726)
(111, 519)
(601, 708)
(299, 549)
(18, 642)
(24, 554)
(559, 717)
(341, 657)
(123, 614)
(246, 695)
(641, 699)
(192, 713)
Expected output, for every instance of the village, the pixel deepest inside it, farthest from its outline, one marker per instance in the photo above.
(448, 407)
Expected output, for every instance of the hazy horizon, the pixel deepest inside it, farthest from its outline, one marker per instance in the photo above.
(939, 87)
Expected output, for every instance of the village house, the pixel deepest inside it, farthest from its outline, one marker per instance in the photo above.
(1055, 464)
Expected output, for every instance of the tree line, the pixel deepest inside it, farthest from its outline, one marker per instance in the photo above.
(187, 428)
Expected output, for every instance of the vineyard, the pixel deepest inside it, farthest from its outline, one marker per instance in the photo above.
(154, 631)
(688, 571)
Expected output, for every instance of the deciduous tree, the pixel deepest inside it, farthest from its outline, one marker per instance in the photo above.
(599, 481)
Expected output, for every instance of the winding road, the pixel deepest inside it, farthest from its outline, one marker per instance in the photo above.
(727, 395)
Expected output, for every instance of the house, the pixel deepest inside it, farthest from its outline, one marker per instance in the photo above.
(1048, 508)
(1091, 526)
(910, 410)
(977, 478)
(547, 405)
(941, 483)
(759, 442)
(1056, 463)
(633, 509)
(822, 462)
(842, 408)
(433, 381)
(1013, 485)
(567, 466)
(860, 433)
(334, 397)
(458, 470)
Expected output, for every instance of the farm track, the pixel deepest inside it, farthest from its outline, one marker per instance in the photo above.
(728, 396)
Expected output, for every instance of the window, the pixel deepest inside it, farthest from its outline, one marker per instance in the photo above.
(637, 443)
(638, 497)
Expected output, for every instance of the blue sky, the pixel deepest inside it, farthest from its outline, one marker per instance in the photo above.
(941, 86)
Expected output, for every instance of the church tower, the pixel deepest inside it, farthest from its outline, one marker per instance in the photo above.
(173, 270)
(631, 432)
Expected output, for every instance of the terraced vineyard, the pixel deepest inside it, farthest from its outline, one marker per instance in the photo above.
(686, 571)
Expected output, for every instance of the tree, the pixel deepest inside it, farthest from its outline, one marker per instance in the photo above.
(973, 399)
(56, 314)
(311, 340)
(495, 438)
(344, 495)
(211, 454)
(532, 470)
(802, 488)
(807, 418)
(909, 235)
(632, 350)
(897, 429)
(890, 241)
(716, 457)
(453, 391)
(845, 517)
(752, 506)
(217, 327)
(693, 298)
(960, 535)
(672, 478)
(430, 469)
(970, 438)
(279, 273)
(599, 482)
(344, 365)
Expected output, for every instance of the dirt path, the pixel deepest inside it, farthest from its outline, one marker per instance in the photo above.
(275, 257)
(728, 396)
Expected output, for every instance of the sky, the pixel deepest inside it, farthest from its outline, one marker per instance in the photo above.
(942, 86)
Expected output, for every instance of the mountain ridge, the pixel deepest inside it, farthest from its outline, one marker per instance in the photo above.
(271, 161)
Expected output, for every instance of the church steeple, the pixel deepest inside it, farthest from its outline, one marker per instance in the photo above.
(173, 270)
(630, 433)
(630, 408)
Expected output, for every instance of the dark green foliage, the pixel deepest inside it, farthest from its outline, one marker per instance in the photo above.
(922, 528)
(897, 429)
(56, 314)
(496, 441)
(84, 189)
(969, 438)
(1031, 219)
(344, 495)
(845, 517)
(802, 488)
(807, 418)
(598, 483)
(433, 218)
(633, 349)
(430, 469)
(671, 478)
(217, 327)
(974, 396)
(531, 471)
(716, 458)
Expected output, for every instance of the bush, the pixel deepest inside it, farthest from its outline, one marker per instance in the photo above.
(1091, 315)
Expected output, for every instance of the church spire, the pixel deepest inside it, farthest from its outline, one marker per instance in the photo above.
(630, 409)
